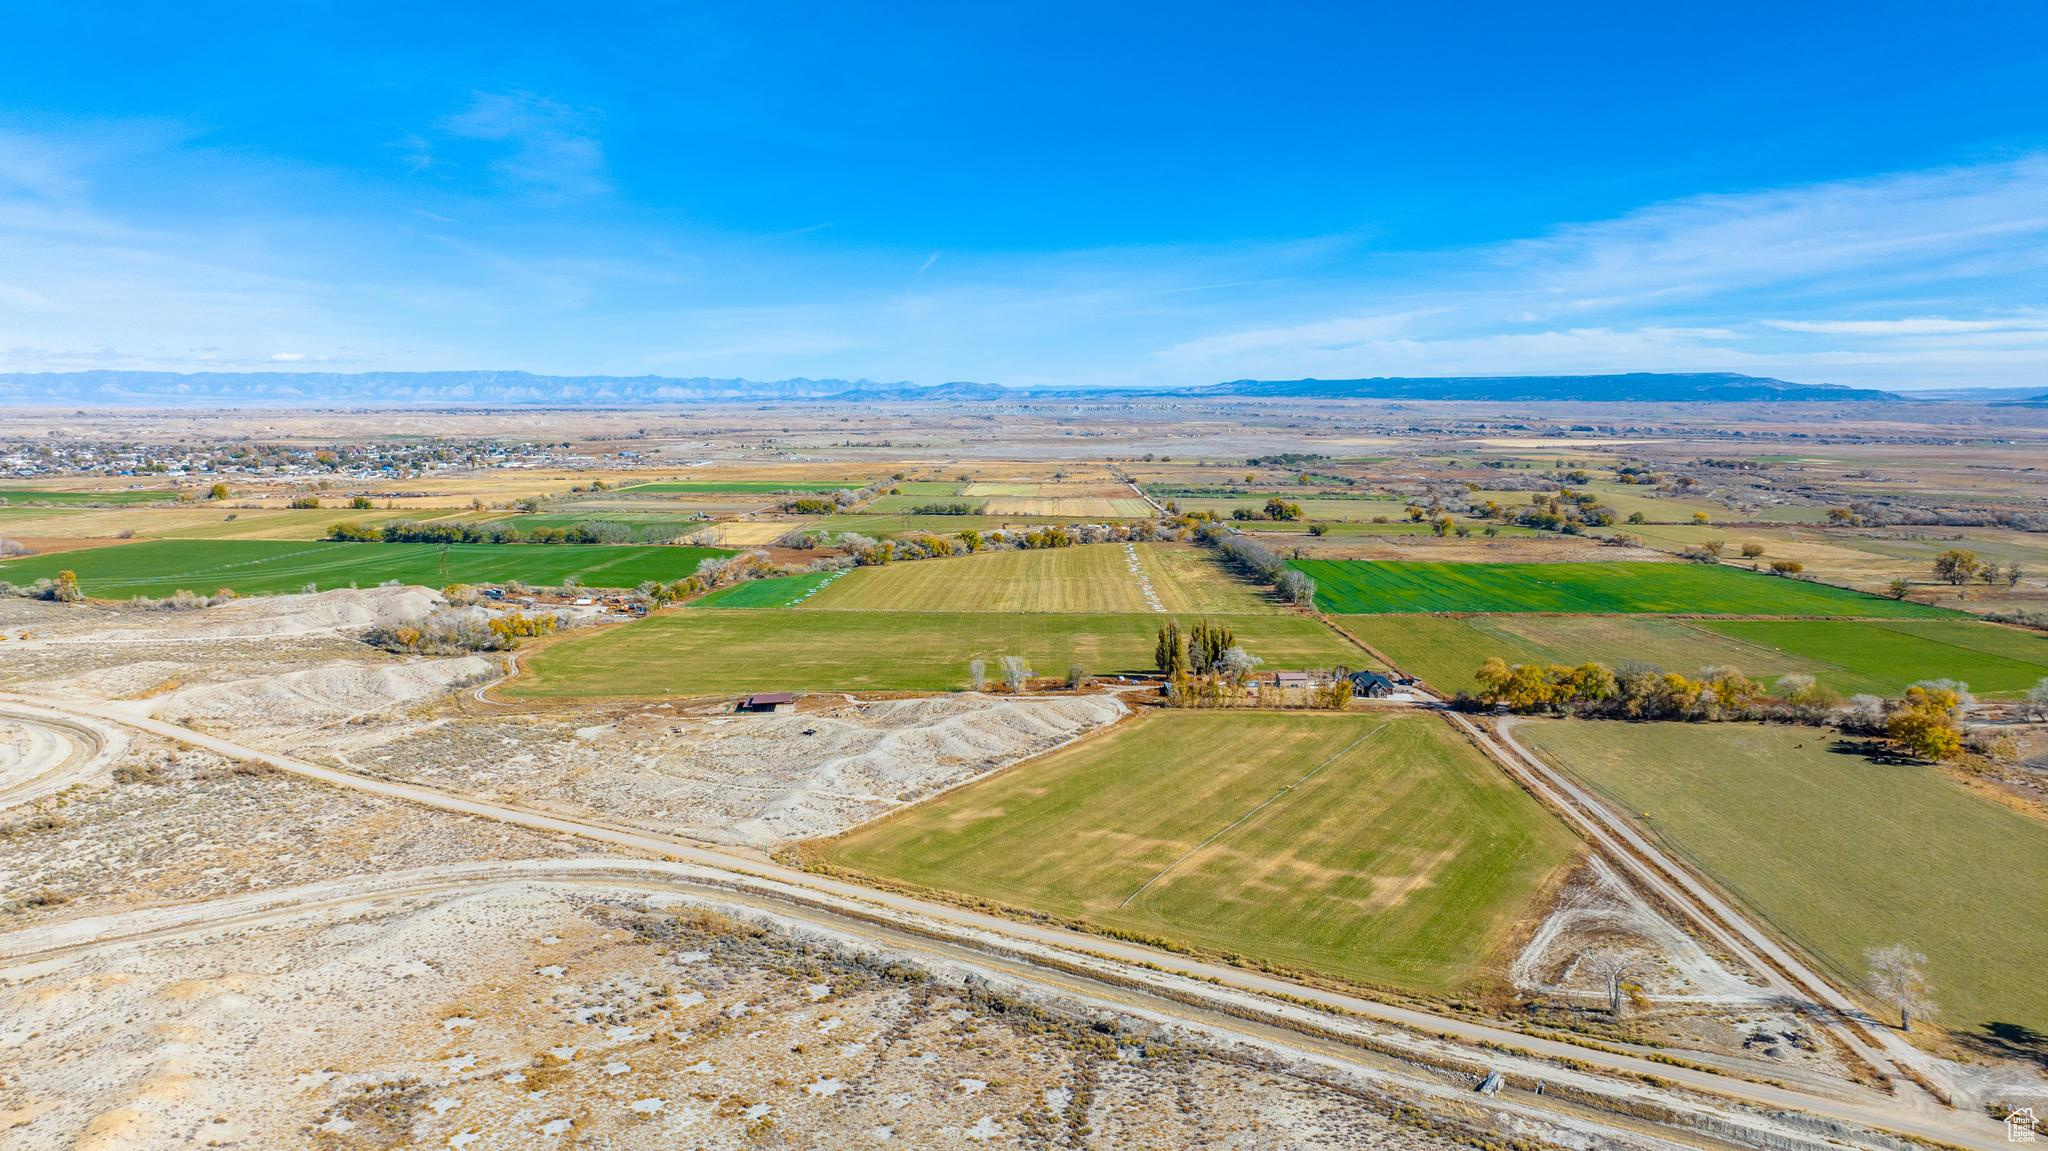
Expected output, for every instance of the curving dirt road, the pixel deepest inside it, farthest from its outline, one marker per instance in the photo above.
(42, 754)
(988, 935)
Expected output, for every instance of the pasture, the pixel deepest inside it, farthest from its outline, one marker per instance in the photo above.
(1089, 578)
(1382, 850)
(1446, 650)
(1850, 656)
(1884, 657)
(1839, 852)
(256, 567)
(1369, 587)
(712, 651)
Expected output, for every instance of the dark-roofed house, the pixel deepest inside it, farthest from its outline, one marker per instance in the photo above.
(773, 701)
(1371, 685)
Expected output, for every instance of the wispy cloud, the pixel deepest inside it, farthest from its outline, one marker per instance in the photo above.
(547, 145)
(1682, 285)
(1912, 326)
(1936, 277)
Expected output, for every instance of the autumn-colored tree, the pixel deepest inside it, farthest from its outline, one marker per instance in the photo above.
(1957, 565)
(1590, 683)
(1279, 509)
(1927, 723)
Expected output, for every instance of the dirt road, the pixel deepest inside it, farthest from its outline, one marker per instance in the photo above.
(1905, 1065)
(987, 934)
(42, 754)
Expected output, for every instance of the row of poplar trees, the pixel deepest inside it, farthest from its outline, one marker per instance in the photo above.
(1197, 651)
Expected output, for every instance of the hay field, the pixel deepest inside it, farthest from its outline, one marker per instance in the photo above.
(1070, 507)
(1094, 578)
(1383, 850)
(1366, 587)
(254, 567)
(1337, 509)
(1839, 852)
(745, 533)
(712, 651)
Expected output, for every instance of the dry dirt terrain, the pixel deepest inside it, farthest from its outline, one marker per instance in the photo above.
(520, 1015)
(758, 780)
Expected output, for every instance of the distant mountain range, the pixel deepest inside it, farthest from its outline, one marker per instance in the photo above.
(298, 389)
(1630, 387)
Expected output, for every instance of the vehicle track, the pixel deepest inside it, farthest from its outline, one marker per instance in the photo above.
(50, 753)
(1420, 1066)
(996, 932)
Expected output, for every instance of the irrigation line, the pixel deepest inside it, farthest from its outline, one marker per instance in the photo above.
(1271, 800)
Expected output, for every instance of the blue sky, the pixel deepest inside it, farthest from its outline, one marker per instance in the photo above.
(1030, 193)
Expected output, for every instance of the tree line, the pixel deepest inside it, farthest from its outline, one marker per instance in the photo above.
(1926, 722)
(439, 532)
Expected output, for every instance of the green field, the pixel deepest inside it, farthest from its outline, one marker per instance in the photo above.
(908, 504)
(929, 488)
(1383, 850)
(1850, 656)
(711, 651)
(774, 592)
(1446, 650)
(1841, 853)
(1371, 587)
(61, 498)
(256, 567)
(1093, 578)
(1884, 657)
(648, 527)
